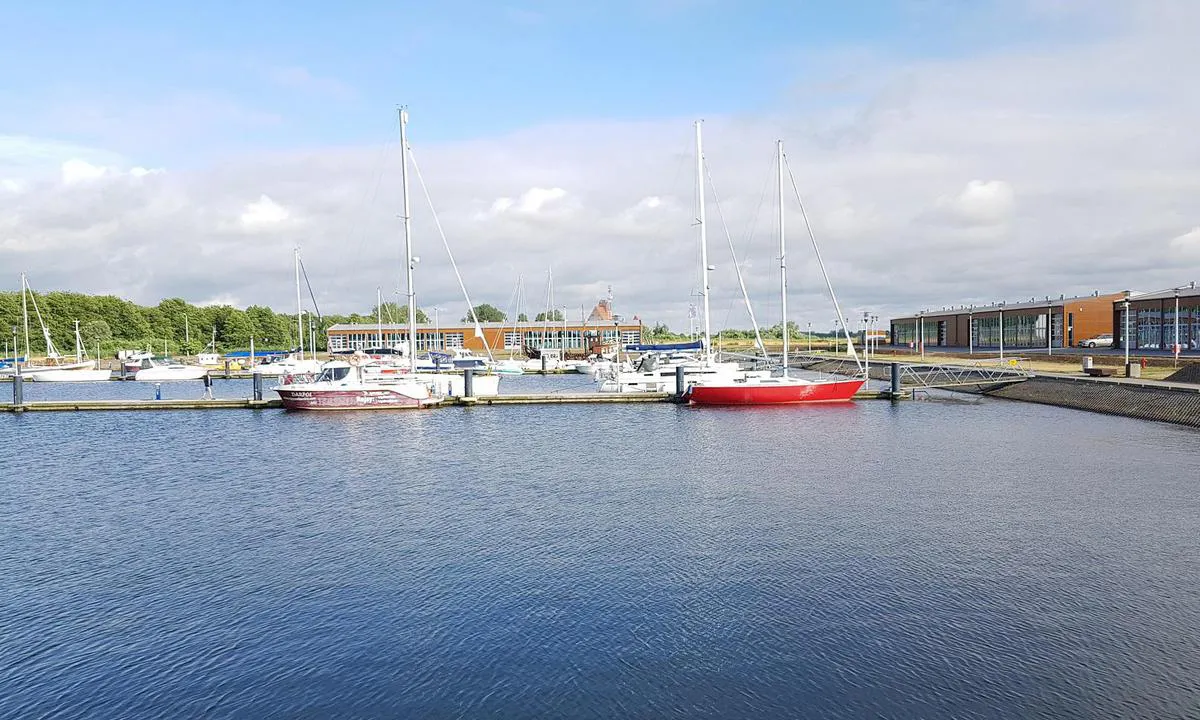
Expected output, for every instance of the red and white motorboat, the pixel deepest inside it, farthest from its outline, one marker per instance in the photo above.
(772, 391)
(342, 386)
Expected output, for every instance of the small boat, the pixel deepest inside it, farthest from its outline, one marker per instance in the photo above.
(80, 371)
(508, 367)
(344, 385)
(151, 371)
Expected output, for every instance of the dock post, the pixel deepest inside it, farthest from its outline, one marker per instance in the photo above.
(227, 369)
(895, 380)
(469, 382)
(258, 385)
(158, 391)
(679, 383)
(18, 390)
(543, 364)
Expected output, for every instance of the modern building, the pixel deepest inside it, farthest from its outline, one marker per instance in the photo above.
(1045, 323)
(1158, 320)
(495, 336)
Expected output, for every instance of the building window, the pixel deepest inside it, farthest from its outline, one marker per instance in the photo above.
(512, 341)
(904, 332)
(454, 340)
(631, 337)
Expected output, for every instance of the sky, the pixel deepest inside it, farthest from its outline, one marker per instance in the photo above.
(946, 152)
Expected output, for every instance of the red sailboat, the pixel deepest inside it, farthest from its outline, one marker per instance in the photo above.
(774, 390)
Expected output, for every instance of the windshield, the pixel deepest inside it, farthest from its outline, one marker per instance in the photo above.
(333, 374)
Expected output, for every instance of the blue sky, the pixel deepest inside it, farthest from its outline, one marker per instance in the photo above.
(184, 149)
(270, 74)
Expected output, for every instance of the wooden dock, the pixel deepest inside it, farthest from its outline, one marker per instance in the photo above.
(250, 404)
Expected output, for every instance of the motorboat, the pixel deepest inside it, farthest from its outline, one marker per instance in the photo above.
(345, 385)
(150, 371)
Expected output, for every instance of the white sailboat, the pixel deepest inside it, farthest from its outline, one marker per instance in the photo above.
(54, 361)
(657, 373)
(81, 371)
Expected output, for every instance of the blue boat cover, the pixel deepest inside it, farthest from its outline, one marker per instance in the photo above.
(257, 353)
(694, 345)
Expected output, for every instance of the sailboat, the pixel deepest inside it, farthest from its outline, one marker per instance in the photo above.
(348, 385)
(774, 390)
(54, 360)
(656, 372)
(295, 363)
(80, 371)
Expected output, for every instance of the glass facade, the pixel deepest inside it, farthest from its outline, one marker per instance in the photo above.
(904, 332)
(1153, 327)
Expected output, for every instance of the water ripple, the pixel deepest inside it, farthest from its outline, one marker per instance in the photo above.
(924, 560)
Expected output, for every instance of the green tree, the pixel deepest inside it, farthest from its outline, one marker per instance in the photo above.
(393, 313)
(522, 318)
(552, 316)
(486, 313)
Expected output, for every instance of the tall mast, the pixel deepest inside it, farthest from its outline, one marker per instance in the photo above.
(703, 239)
(299, 311)
(379, 316)
(25, 315)
(78, 344)
(782, 260)
(408, 256)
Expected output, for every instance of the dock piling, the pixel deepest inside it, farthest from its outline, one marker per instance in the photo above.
(227, 369)
(258, 385)
(679, 382)
(543, 364)
(18, 390)
(469, 381)
(895, 380)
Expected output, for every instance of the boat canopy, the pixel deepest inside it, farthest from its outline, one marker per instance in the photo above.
(694, 345)
(257, 353)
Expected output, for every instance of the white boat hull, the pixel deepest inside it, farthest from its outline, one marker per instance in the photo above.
(81, 375)
(167, 373)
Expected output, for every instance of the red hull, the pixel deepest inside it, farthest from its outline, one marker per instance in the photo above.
(774, 394)
(381, 399)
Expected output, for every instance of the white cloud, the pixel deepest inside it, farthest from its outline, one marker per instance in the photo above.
(981, 202)
(78, 171)
(263, 214)
(531, 202)
(1187, 245)
(1004, 174)
(12, 185)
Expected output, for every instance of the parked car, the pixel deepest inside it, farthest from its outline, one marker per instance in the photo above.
(1104, 340)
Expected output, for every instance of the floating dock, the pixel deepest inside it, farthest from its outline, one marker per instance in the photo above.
(251, 404)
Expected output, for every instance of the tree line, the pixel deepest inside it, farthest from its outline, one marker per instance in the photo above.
(108, 324)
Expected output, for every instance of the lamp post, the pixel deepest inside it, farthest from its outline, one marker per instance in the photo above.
(1001, 331)
(971, 330)
(810, 338)
(1176, 343)
(1125, 337)
(437, 327)
(835, 336)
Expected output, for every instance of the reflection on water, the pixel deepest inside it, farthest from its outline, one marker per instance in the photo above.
(986, 559)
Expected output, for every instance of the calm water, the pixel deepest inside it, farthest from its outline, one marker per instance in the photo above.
(930, 560)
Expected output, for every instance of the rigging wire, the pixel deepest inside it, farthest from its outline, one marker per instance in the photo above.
(357, 226)
(736, 266)
(438, 223)
(821, 263)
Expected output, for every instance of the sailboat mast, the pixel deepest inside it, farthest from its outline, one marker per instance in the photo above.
(782, 261)
(379, 316)
(703, 239)
(299, 311)
(25, 315)
(78, 344)
(408, 256)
